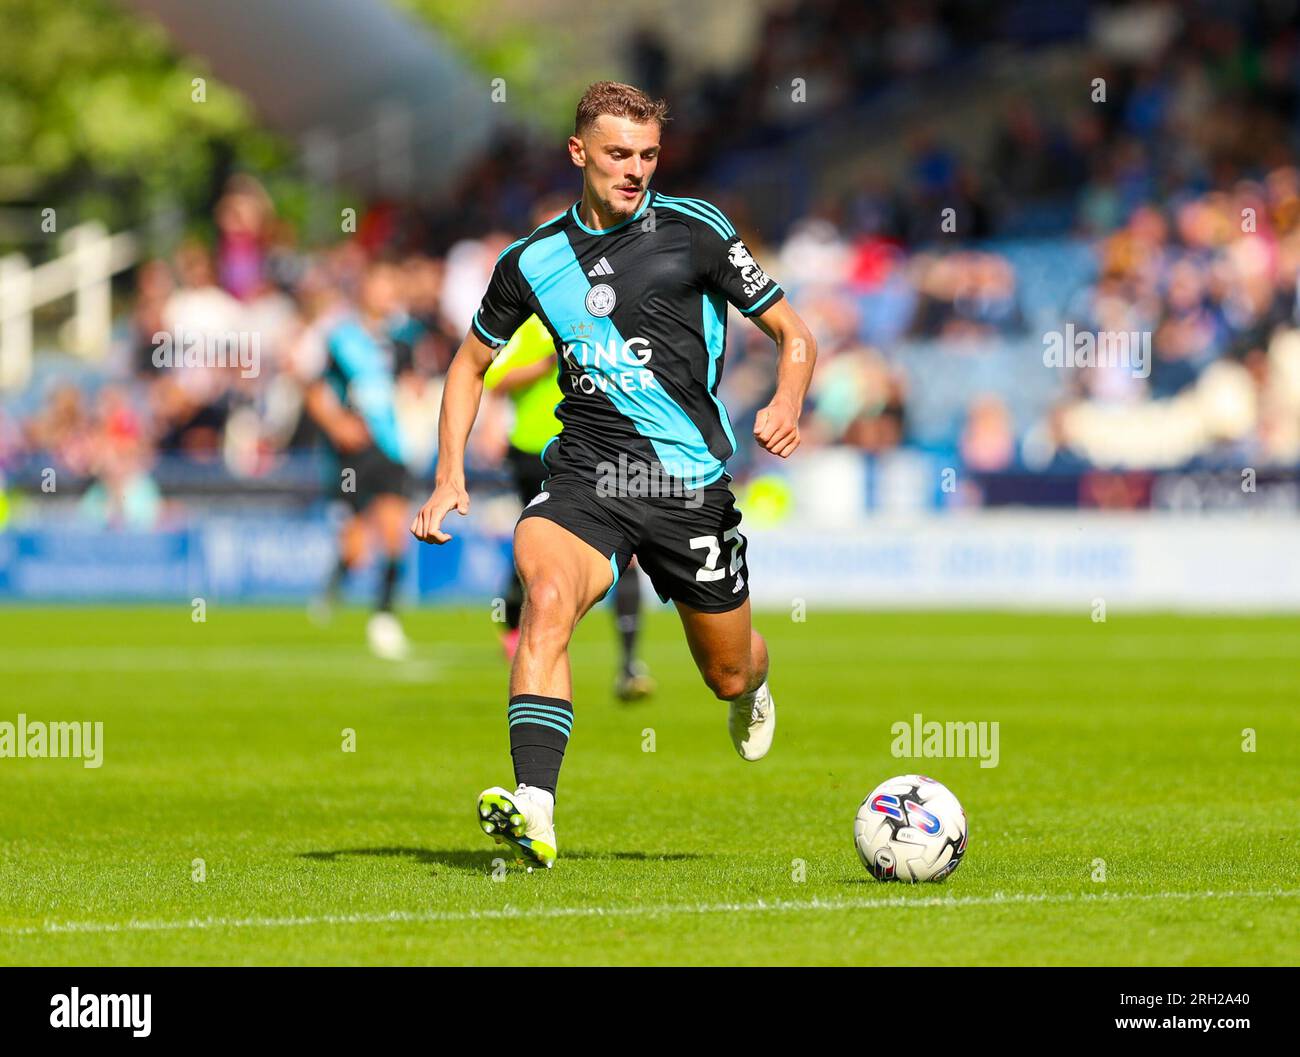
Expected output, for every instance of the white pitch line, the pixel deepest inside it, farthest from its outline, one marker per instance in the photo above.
(663, 910)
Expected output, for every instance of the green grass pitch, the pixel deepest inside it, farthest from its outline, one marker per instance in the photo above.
(223, 741)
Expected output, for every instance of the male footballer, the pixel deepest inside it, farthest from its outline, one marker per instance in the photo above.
(633, 286)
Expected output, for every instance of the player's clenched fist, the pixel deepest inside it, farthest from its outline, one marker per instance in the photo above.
(776, 427)
(427, 526)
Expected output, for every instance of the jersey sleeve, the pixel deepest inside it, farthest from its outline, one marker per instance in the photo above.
(725, 264)
(505, 305)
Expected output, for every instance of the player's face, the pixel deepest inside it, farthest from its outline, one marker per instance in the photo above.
(617, 156)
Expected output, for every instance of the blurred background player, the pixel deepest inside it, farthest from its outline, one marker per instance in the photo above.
(353, 402)
(526, 371)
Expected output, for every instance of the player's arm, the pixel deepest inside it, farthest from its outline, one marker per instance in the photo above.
(776, 426)
(726, 265)
(520, 377)
(527, 357)
(461, 394)
(346, 431)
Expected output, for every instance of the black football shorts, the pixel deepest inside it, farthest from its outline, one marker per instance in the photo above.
(373, 474)
(689, 545)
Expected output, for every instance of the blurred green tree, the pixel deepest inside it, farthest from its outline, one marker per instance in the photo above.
(545, 67)
(99, 117)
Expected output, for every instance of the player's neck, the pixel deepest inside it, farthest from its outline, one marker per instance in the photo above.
(592, 212)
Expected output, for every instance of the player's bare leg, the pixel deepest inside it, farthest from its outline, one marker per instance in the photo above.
(387, 518)
(732, 658)
(390, 516)
(352, 541)
(563, 578)
(352, 551)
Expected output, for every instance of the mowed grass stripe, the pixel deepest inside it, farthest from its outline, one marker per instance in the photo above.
(545, 913)
(1132, 645)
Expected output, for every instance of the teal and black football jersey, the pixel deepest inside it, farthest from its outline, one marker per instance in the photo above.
(361, 367)
(638, 313)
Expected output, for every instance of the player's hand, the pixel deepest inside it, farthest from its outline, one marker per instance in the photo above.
(427, 526)
(776, 427)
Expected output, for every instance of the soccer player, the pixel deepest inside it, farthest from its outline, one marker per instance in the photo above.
(526, 371)
(352, 402)
(633, 286)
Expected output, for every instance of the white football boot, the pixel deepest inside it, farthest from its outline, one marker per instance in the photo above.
(753, 723)
(524, 818)
(387, 640)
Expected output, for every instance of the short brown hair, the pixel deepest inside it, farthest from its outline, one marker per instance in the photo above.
(617, 100)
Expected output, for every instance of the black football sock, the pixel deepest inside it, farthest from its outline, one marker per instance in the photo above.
(392, 572)
(627, 615)
(539, 732)
(334, 586)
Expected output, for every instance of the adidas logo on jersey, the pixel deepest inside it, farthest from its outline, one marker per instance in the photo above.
(602, 268)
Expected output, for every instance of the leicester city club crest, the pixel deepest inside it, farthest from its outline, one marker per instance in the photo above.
(600, 300)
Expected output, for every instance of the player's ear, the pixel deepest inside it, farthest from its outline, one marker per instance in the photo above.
(577, 152)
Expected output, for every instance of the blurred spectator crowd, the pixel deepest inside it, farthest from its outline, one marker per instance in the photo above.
(1172, 211)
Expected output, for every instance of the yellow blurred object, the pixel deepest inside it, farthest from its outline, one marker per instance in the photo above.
(766, 501)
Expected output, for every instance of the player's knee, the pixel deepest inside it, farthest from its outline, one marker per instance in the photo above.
(548, 611)
(544, 596)
(726, 681)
